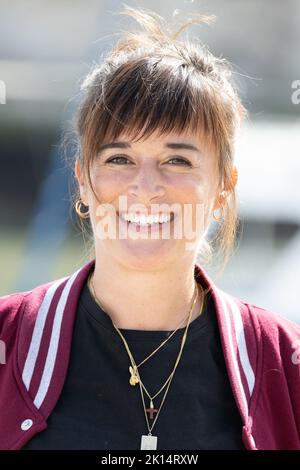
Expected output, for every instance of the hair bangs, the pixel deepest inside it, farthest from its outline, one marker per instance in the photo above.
(144, 99)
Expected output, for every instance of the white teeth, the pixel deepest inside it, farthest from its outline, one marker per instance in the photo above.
(143, 219)
(163, 218)
(146, 219)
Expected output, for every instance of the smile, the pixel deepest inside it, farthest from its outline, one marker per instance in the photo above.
(146, 220)
(145, 224)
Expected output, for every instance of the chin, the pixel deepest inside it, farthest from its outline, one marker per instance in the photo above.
(147, 255)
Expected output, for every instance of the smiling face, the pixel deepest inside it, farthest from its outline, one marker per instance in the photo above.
(174, 176)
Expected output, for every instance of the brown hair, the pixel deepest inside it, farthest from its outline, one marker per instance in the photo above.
(152, 81)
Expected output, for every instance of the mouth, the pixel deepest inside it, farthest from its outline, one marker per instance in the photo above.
(145, 224)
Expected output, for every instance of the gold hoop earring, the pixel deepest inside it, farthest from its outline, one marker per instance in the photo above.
(217, 219)
(82, 215)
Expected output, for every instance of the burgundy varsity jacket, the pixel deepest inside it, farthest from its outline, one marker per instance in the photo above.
(261, 351)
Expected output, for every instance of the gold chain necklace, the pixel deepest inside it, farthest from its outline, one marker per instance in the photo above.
(149, 441)
(133, 378)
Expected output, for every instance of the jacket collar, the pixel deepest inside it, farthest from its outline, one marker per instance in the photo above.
(45, 338)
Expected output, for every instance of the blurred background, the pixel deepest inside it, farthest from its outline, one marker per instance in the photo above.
(48, 46)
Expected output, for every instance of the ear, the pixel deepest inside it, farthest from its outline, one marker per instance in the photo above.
(221, 197)
(219, 200)
(81, 182)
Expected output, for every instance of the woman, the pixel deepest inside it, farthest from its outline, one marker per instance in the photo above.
(139, 348)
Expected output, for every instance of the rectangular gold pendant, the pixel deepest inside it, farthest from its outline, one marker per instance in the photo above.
(149, 442)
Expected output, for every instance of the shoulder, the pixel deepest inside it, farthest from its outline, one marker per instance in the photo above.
(259, 334)
(277, 333)
(270, 321)
(24, 308)
(12, 307)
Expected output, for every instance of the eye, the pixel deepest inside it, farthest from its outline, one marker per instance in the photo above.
(121, 159)
(182, 160)
(118, 158)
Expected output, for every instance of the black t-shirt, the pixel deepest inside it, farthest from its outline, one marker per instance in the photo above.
(98, 408)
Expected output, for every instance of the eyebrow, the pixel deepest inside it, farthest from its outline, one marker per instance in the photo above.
(171, 145)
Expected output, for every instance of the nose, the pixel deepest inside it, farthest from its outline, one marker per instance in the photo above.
(147, 184)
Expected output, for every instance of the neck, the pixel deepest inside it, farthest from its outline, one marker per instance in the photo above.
(147, 300)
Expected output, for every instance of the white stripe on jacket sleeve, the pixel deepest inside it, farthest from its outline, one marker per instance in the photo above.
(38, 333)
(241, 344)
(54, 341)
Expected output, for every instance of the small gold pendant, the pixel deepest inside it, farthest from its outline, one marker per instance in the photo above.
(133, 378)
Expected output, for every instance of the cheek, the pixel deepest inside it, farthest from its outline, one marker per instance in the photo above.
(192, 191)
(200, 193)
(108, 186)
